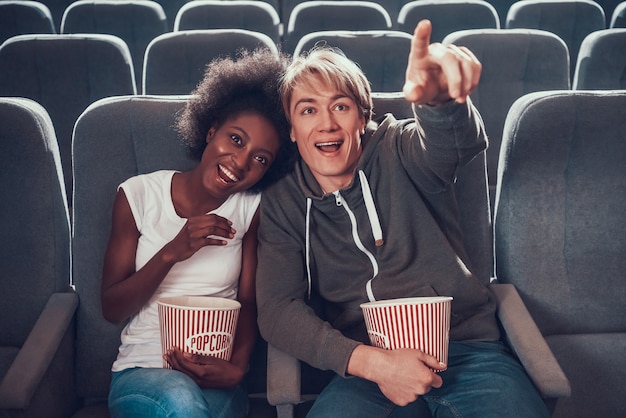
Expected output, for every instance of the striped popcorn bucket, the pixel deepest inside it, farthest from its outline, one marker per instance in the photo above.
(198, 324)
(421, 323)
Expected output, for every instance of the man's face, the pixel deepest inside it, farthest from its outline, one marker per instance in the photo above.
(326, 125)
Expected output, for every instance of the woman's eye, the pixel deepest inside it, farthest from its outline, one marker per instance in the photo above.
(261, 159)
(236, 139)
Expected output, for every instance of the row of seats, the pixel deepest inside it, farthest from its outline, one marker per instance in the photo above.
(559, 243)
(65, 73)
(284, 8)
(147, 19)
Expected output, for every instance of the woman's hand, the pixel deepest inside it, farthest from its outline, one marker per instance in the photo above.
(437, 73)
(198, 232)
(206, 371)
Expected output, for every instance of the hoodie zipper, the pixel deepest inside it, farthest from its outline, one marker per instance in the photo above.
(355, 236)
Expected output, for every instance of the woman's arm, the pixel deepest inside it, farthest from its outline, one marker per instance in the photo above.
(124, 290)
(211, 372)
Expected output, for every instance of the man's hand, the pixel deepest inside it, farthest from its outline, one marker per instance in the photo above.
(402, 375)
(437, 73)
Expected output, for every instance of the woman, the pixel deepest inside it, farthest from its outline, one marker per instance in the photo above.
(194, 233)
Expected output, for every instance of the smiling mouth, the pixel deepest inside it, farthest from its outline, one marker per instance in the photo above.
(330, 146)
(226, 175)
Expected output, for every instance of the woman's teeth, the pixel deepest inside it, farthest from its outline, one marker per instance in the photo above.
(229, 174)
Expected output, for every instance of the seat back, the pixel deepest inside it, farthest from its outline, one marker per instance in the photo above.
(385, 69)
(34, 221)
(136, 22)
(65, 73)
(256, 16)
(175, 62)
(323, 15)
(448, 16)
(36, 306)
(115, 138)
(571, 20)
(560, 235)
(618, 17)
(602, 61)
(24, 17)
(515, 62)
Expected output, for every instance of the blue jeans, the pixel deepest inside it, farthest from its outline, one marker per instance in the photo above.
(160, 393)
(482, 380)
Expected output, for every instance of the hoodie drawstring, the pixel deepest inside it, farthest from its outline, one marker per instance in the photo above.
(371, 209)
(375, 225)
(308, 244)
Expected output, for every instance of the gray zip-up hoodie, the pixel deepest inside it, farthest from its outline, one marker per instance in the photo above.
(318, 254)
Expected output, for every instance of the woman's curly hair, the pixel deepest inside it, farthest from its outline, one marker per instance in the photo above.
(230, 86)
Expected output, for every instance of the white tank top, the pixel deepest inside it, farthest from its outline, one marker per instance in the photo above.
(212, 271)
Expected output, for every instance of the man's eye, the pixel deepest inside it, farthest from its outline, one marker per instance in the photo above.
(308, 111)
(341, 107)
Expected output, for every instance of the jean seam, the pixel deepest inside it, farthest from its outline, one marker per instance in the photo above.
(445, 403)
(142, 397)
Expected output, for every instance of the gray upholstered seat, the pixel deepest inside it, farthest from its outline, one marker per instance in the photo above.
(291, 383)
(571, 20)
(256, 16)
(117, 138)
(602, 61)
(174, 62)
(448, 16)
(136, 22)
(37, 304)
(381, 54)
(322, 15)
(65, 73)
(618, 16)
(515, 62)
(560, 236)
(23, 17)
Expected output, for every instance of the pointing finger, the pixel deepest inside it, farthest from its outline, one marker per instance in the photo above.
(421, 39)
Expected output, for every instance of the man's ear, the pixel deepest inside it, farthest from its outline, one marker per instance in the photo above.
(291, 135)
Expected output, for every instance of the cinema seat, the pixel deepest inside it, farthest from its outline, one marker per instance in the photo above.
(256, 16)
(37, 304)
(136, 22)
(571, 20)
(448, 16)
(174, 62)
(560, 236)
(381, 54)
(65, 74)
(24, 17)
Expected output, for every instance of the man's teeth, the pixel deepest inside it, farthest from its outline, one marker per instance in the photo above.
(329, 144)
(229, 174)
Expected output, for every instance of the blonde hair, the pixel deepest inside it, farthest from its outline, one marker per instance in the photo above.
(334, 69)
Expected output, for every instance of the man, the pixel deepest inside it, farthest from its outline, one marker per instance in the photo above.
(368, 214)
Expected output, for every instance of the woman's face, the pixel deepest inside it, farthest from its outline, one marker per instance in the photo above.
(238, 153)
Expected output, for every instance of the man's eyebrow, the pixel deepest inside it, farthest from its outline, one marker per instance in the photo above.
(312, 100)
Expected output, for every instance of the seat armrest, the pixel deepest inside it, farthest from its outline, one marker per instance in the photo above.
(528, 343)
(34, 358)
(283, 378)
